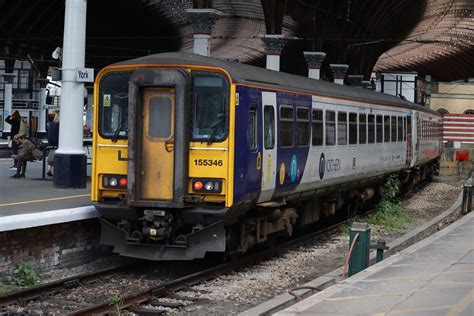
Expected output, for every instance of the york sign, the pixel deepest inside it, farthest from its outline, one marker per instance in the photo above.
(85, 74)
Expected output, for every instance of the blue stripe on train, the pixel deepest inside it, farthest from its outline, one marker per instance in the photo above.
(247, 177)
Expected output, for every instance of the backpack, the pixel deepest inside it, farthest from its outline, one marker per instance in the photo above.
(39, 144)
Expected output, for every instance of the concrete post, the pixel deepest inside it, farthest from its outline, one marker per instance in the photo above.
(339, 72)
(202, 22)
(41, 133)
(314, 61)
(7, 101)
(274, 44)
(70, 160)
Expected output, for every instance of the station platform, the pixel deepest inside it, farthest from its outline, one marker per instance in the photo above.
(34, 201)
(433, 277)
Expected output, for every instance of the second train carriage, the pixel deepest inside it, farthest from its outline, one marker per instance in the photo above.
(196, 155)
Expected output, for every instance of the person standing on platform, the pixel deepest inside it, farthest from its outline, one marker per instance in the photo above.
(14, 119)
(53, 139)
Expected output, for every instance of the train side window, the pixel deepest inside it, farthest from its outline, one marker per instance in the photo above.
(362, 128)
(302, 126)
(400, 128)
(286, 126)
(330, 128)
(379, 129)
(386, 128)
(352, 128)
(317, 128)
(405, 128)
(342, 128)
(371, 129)
(269, 127)
(252, 127)
(394, 128)
(409, 125)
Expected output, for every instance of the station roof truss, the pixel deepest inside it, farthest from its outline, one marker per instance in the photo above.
(429, 36)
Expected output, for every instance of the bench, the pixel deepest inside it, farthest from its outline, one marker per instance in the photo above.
(86, 143)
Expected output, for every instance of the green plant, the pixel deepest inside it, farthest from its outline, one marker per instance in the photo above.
(24, 275)
(3, 288)
(116, 302)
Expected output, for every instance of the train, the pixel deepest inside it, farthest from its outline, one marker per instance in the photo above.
(195, 155)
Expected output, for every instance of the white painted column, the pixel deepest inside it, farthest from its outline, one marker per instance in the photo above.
(339, 72)
(202, 21)
(274, 44)
(314, 61)
(8, 100)
(72, 92)
(70, 162)
(42, 107)
(202, 45)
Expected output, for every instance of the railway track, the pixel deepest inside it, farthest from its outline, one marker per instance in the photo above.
(133, 301)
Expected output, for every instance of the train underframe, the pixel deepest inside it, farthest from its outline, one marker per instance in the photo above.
(186, 234)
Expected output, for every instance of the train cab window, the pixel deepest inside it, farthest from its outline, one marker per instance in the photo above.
(317, 128)
(286, 126)
(302, 126)
(113, 105)
(379, 129)
(342, 128)
(352, 128)
(371, 129)
(252, 128)
(394, 128)
(269, 127)
(400, 128)
(210, 107)
(330, 128)
(386, 128)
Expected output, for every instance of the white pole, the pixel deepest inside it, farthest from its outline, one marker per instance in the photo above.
(42, 107)
(273, 62)
(8, 103)
(202, 44)
(314, 73)
(72, 92)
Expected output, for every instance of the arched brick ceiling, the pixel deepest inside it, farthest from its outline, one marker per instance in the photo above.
(441, 44)
(356, 32)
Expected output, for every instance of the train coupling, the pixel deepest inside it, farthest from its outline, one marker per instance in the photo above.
(157, 224)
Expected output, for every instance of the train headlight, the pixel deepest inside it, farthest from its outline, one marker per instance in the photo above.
(114, 181)
(207, 185)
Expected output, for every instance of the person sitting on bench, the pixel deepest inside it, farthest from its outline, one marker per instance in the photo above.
(27, 151)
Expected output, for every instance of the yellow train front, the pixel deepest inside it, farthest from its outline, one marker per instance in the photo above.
(162, 158)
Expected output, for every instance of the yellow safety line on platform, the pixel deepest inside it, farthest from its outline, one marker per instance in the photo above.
(45, 200)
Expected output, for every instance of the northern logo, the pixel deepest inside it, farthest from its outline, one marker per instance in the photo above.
(322, 166)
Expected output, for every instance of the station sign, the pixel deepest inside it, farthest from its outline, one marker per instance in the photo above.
(85, 74)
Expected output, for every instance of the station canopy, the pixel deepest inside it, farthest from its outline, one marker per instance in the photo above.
(433, 37)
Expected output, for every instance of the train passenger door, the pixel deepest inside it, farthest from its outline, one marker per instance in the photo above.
(269, 148)
(155, 170)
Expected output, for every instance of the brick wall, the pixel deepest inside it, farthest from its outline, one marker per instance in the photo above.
(51, 247)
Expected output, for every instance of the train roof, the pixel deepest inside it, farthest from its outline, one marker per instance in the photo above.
(256, 76)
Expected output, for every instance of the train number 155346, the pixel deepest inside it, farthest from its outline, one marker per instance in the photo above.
(208, 162)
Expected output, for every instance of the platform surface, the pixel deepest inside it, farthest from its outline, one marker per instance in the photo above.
(37, 195)
(432, 277)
